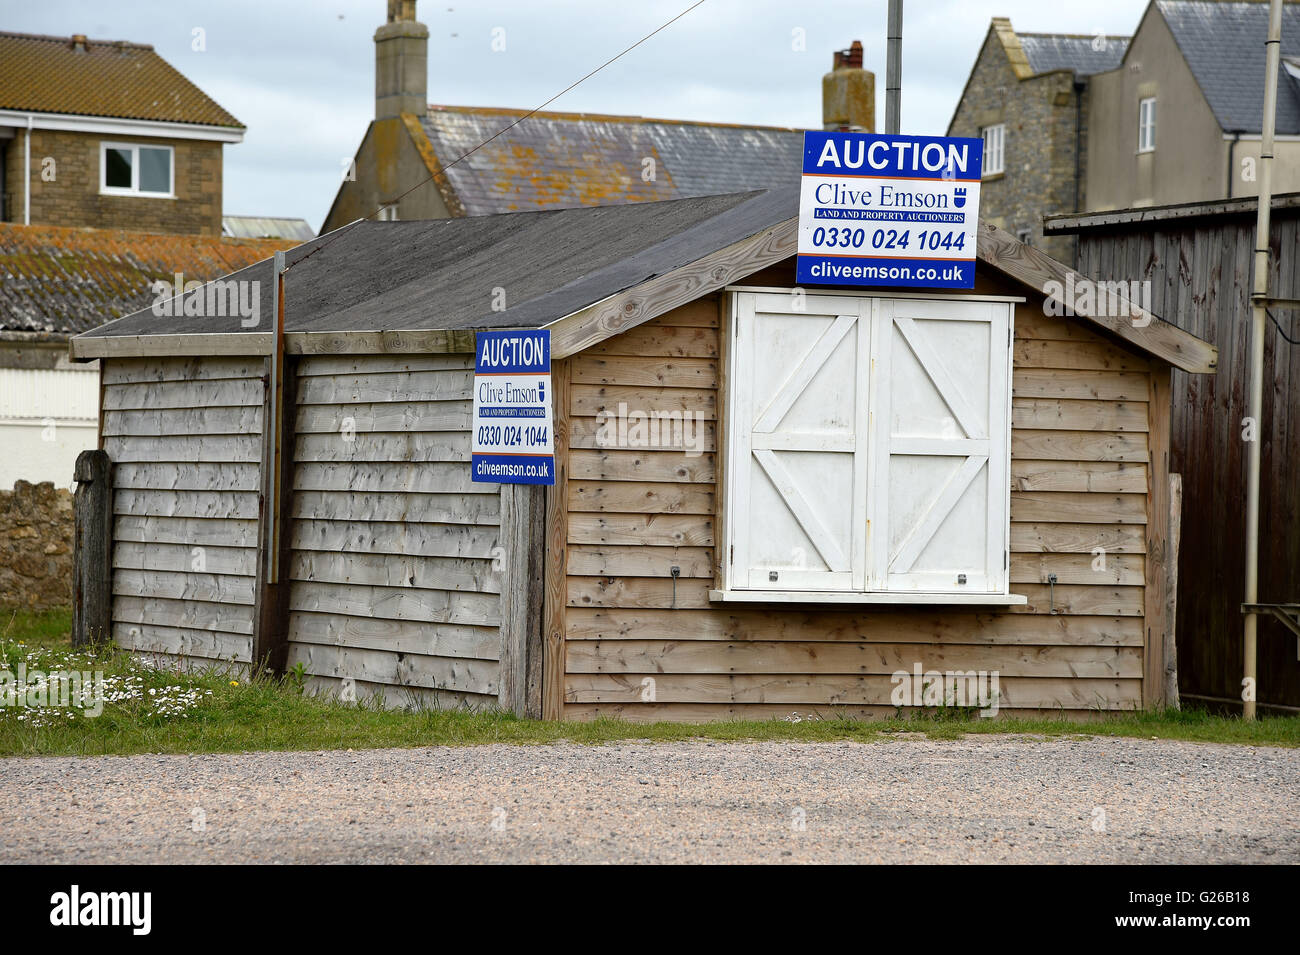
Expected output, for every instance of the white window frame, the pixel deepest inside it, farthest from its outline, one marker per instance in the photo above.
(1147, 117)
(995, 148)
(134, 190)
(871, 585)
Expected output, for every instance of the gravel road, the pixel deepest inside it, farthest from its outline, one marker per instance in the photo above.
(979, 799)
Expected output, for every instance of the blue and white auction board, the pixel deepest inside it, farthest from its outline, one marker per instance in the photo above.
(513, 440)
(889, 210)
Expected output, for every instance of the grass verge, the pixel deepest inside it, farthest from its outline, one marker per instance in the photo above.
(157, 711)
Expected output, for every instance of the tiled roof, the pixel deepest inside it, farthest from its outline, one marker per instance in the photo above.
(52, 74)
(1223, 44)
(1083, 55)
(65, 280)
(566, 160)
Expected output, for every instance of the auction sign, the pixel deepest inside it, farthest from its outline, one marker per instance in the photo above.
(512, 441)
(889, 210)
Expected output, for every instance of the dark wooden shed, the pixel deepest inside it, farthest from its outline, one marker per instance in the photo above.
(1198, 261)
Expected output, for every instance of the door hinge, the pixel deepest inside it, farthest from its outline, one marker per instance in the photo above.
(732, 558)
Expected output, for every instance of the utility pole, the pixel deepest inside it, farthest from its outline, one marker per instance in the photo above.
(894, 67)
(1255, 408)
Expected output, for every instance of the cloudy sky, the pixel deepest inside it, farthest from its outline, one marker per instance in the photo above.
(300, 73)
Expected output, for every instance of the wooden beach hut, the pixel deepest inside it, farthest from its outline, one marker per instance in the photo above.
(769, 500)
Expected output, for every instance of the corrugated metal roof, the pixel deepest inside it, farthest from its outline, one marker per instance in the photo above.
(1223, 44)
(113, 78)
(1083, 55)
(565, 160)
(65, 280)
(266, 227)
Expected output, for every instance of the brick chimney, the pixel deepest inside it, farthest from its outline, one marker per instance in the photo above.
(401, 63)
(849, 93)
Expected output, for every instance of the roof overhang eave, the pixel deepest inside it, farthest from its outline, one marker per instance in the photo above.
(116, 126)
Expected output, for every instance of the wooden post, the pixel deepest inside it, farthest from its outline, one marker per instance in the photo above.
(92, 595)
(271, 597)
(523, 535)
(556, 596)
(1171, 590)
(1155, 599)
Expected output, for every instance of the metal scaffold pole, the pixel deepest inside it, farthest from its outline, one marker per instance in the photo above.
(1259, 317)
(894, 67)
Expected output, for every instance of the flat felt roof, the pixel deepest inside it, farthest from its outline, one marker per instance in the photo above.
(444, 274)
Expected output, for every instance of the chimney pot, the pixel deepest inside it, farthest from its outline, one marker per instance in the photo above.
(79, 41)
(401, 11)
(849, 93)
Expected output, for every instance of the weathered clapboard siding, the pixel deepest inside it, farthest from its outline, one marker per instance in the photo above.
(395, 581)
(184, 434)
(643, 646)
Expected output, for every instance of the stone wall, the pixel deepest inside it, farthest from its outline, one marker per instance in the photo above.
(36, 526)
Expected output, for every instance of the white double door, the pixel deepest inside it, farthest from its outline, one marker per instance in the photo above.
(868, 444)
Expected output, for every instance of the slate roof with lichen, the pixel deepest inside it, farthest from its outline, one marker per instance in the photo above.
(1223, 44)
(1084, 55)
(111, 78)
(555, 160)
(64, 280)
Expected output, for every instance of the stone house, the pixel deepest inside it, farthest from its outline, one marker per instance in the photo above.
(110, 180)
(107, 134)
(1027, 96)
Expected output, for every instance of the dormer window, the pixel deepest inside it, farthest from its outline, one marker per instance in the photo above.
(128, 169)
